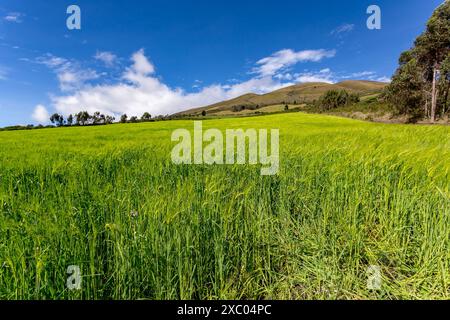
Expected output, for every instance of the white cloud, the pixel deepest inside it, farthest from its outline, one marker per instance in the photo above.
(324, 75)
(363, 74)
(384, 79)
(141, 91)
(366, 75)
(71, 80)
(15, 17)
(197, 84)
(283, 59)
(346, 27)
(53, 62)
(284, 76)
(141, 65)
(106, 57)
(255, 85)
(69, 74)
(40, 114)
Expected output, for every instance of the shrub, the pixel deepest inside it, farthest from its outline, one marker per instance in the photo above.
(337, 98)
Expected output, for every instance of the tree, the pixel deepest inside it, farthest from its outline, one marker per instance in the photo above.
(54, 117)
(82, 118)
(286, 108)
(57, 119)
(123, 118)
(133, 119)
(432, 48)
(353, 98)
(424, 68)
(405, 92)
(204, 113)
(337, 98)
(97, 118)
(109, 119)
(146, 117)
(70, 120)
(444, 85)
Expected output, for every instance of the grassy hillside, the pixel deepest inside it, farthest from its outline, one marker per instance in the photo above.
(349, 194)
(293, 95)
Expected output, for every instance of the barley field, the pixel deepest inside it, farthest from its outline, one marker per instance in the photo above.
(349, 195)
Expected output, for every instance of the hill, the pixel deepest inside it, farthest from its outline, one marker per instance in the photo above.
(296, 94)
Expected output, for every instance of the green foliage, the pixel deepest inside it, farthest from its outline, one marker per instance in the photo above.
(410, 91)
(98, 118)
(405, 92)
(433, 46)
(57, 119)
(146, 117)
(70, 120)
(109, 119)
(123, 118)
(337, 98)
(82, 118)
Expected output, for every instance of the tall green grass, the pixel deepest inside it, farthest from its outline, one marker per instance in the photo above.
(349, 195)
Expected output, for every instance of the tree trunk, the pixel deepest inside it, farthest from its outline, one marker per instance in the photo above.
(426, 105)
(444, 107)
(434, 96)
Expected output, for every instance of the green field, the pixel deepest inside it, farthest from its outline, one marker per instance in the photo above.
(349, 194)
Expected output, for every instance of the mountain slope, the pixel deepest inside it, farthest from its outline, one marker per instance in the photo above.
(296, 94)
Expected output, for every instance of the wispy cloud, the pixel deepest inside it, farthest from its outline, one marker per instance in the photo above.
(383, 79)
(197, 84)
(360, 75)
(108, 58)
(324, 75)
(283, 59)
(15, 17)
(363, 74)
(344, 28)
(69, 73)
(367, 75)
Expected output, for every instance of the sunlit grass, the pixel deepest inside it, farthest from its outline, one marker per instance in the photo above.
(349, 194)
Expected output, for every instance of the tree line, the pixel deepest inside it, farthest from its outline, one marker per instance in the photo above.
(83, 118)
(420, 87)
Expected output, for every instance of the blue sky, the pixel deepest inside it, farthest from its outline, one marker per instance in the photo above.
(164, 56)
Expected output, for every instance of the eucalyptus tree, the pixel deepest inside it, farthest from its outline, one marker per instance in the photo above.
(57, 119)
(422, 81)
